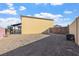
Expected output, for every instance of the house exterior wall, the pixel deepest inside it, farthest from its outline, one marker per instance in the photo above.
(2, 32)
(78, 30)
(74, 29)
(35, 25)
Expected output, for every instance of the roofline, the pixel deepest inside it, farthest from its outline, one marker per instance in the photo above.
(74, 20)
(33, 17)
(37, 18)
(16, 24)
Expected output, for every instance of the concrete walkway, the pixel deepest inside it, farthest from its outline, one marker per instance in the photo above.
(15, 41)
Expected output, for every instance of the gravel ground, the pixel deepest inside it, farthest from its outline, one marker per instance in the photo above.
(12, 42)
(54, 45)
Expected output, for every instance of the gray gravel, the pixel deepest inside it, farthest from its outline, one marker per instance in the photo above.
(54, 45)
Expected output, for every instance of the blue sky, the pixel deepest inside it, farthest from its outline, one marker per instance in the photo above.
(62, 13)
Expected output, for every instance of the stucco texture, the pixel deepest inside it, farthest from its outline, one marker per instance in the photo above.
(74, 29)
(35, 25)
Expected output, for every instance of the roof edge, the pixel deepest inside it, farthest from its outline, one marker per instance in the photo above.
(76, 18)
(37, 18)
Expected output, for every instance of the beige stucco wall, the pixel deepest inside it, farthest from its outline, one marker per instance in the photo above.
(74, 29)
(35, 25)
(78, 30)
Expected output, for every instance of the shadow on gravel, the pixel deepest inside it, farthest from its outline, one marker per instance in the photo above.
(54, 45)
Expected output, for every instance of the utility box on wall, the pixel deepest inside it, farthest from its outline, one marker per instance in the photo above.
(33, 25)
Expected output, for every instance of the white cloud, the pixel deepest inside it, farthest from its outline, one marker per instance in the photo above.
(22, 8)
(8, 21)
(56, 3)
(37, 3)
(68, 12)
(29, 15)
(40, 3)
(48, 15)
(63, 21)
(8, 11)
(10, 6)
(49, 3)
(58, 18)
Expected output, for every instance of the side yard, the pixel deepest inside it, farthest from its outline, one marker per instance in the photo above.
(53, 45)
